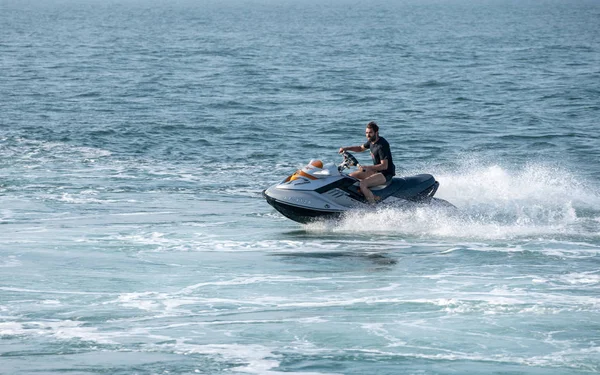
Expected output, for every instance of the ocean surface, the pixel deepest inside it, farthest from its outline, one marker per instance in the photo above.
(136, 138)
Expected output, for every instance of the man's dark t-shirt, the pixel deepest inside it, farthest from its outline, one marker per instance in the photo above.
(380, 150)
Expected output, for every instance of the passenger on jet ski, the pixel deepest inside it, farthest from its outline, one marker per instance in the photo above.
(383, 168)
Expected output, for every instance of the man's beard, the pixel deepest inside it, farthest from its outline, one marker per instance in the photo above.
(373, 138)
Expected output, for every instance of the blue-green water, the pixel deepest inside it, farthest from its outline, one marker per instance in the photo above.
(136, 138)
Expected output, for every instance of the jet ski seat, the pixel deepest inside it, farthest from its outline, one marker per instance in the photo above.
(382, 186)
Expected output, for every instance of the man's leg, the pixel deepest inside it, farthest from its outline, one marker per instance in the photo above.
(361, 174)
(373, 180)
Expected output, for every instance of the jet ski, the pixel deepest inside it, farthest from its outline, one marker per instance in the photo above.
(318, 192)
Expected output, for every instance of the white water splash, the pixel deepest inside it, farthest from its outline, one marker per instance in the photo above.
(493, 203)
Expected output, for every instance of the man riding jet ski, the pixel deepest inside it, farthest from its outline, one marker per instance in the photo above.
(383, 168)
(322, 192)
(317, 192)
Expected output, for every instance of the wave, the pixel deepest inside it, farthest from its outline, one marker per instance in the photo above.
(23, 150)
(494, 202)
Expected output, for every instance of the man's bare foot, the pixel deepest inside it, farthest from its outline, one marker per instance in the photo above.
(375, 200)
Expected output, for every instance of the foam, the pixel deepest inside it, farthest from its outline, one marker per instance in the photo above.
(253, 280)
(580, 278)
(494, 203)
(561, 359)
(566, 249)
(34, 149)
(23, 290)
(82, 198)
(253, 358)
(61, 330)
(279, 245)
(6, 215)
(168, 303)
(378, 329)
(10, 262)
(11, 329)
(53, 302)
(165, 242)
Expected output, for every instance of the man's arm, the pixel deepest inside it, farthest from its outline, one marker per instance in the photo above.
(360, 148)
(378, 167)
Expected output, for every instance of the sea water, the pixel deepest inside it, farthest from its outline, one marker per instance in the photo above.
(136, 138)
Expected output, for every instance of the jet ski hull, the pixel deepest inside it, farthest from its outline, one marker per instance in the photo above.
(300, 214)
